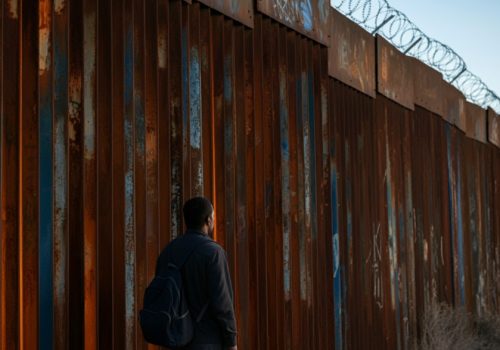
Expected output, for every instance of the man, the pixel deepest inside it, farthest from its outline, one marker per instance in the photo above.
(206, 279)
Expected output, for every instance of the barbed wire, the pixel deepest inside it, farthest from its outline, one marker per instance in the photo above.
(377, 16)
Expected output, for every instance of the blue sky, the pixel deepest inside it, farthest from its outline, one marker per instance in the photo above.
(471, 28)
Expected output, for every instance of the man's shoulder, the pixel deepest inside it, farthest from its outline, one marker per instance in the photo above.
(210, 248)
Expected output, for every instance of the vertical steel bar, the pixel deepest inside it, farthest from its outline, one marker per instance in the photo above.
(151, 110)
(285, 188)
(90, 174)
(45, 73)
(131, 113)
(262, 320)
(218, 126)
(242, 284)
(184, 189)
(104, 150)
(227, 192)
(249, 127)
(164, 119)
(10, 171)
(137, 195)
(268, 42)
(206, 98)
(118, 168)
(294, 263)
(75, 175)
(61, 260)
(276, 201)
(29, 178)
(195, 103)
(176, 9)
(334, 195)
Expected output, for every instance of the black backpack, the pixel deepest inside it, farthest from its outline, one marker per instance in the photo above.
(165, 318)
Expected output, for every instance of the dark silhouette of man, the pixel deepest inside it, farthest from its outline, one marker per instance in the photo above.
(206, 279)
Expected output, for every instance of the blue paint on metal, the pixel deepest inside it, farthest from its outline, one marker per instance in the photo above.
(60, 239)
(228, 99)
(235, 6)
(185, 82)
(451, 208)
(140, 125)
(348, 200)
(460, 238)
(306, 148)
(307, 15)
(195, 100)
(312, 150)
(486, 198)
(337, 286)
(348, 192)
(45, 278)
(392, 242)
(301, 176)
(228, 79)
(324, 9)
(285, 191)
(404, 282)
(129, 233)
(474, 229)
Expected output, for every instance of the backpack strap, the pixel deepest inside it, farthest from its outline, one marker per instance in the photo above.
(186, 257)
(202, 312)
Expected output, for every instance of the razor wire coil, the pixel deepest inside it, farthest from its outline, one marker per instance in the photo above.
(378, 16)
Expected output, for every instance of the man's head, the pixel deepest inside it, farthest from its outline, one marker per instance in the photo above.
(199, 215)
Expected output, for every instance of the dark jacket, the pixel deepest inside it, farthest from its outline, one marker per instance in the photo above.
(206, 279)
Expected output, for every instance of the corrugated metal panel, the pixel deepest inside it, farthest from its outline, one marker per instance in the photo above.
(429, 91)
(493, 127)
(241, 11)
(132, 115)
(475, 122)
(455, 112)
(395, 76)
(427, 199)
(344, 216)
(308, 17)
(351, 54)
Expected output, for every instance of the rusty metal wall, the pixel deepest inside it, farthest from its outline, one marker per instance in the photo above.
(343, 215)
(416, 220)
(113, 114)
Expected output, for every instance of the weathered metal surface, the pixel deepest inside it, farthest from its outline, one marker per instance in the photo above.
(351, 54)
(395, 76)
(493, 127)
(475, 122)
(429, 91)
(455, 110)
(239, 10)
(343, 216)
(10, 77)
(29, 178)
(308, 17)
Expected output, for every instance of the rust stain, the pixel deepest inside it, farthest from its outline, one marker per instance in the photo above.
(351, 54)
(88, 86)
(162, 50)
(74, 108)
(493, 128)
(13, 9)
(59, 6)
(44, 39)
